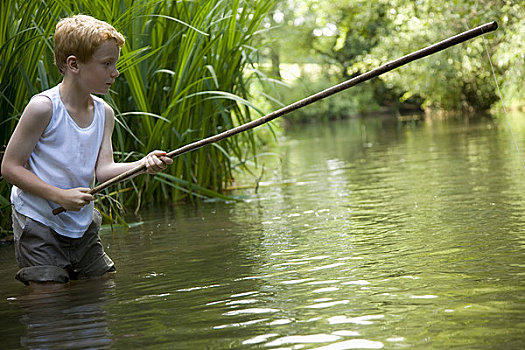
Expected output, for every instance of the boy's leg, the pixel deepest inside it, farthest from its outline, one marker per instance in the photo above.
(91, 260)
(38, 252)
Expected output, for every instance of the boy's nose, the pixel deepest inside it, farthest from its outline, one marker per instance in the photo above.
(116, 73)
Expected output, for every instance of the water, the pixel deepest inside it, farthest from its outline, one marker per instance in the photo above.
(362, 235)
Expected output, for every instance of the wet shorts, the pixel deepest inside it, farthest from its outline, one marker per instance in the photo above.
(45, 256)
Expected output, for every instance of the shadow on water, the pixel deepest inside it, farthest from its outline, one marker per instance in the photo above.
(365, 234)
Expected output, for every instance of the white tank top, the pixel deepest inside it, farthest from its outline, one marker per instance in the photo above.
(65, 157)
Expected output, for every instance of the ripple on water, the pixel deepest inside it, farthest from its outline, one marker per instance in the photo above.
(250, 311)
(362, 320)
(415, 242)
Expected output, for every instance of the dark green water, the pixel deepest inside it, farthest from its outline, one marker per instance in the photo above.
(365, 234)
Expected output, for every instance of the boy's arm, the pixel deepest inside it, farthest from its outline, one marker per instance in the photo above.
(106, 168)
(32, 124)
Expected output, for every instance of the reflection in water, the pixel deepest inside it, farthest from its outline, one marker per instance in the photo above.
(368, 234)
(71, 316)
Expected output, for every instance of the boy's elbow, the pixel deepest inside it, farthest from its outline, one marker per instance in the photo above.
(7, 172)
(4, 172)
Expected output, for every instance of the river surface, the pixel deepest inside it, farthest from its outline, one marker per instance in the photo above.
(362, 234)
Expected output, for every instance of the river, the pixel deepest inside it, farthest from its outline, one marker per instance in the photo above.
(363, 234)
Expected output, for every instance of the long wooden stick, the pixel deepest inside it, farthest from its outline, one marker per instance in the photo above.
(429, 50)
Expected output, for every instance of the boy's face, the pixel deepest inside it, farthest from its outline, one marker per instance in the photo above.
(100, 72)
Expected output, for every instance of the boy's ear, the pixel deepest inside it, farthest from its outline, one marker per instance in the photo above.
(72, 63)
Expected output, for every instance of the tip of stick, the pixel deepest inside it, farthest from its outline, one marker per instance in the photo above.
(492, 25)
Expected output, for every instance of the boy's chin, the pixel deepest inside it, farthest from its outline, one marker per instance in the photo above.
(102, 91)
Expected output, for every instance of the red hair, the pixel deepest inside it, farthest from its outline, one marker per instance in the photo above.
(80, 36)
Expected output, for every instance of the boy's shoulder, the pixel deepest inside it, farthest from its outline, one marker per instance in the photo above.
(36, 116)
(108, 110)
(99, 100)
(43, 101)
(40, 105)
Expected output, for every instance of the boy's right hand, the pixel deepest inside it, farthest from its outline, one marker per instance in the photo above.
(75, 199)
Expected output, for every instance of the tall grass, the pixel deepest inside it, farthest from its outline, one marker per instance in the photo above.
(182, 78)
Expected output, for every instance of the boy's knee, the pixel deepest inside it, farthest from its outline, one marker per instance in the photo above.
(42, 274)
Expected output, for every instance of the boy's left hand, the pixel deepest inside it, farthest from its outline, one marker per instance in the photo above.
(156, 161)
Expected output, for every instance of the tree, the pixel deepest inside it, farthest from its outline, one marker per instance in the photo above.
(357, 35)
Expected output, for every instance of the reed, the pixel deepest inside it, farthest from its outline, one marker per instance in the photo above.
(194, 87)
(183, 78)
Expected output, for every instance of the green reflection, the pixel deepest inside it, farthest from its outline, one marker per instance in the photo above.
(369, 233)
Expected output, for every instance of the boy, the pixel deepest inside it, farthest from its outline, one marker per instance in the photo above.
(62, 141)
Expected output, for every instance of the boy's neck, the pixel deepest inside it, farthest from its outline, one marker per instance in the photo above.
(79, 105)
(72, 95)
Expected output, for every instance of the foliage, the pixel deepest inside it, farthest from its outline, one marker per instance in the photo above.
(359, 35)
(357, 101)
(459, 78)
(182, 79)
(510, 53)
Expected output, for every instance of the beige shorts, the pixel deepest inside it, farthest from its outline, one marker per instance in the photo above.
(46, 256)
